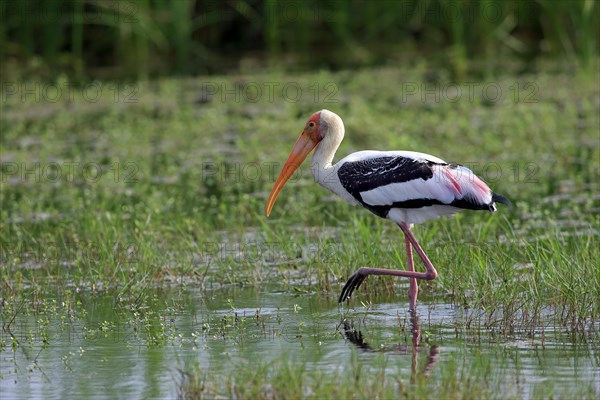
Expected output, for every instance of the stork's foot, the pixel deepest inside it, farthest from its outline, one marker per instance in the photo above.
(353, 283)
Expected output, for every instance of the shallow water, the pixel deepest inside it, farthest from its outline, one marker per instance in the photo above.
(118, 351)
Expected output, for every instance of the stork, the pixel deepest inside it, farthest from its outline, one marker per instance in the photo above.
(406, 187)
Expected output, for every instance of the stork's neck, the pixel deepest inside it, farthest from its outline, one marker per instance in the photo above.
(331, 129)
(321, 165)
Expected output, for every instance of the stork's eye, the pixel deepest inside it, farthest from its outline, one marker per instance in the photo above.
(311, 124)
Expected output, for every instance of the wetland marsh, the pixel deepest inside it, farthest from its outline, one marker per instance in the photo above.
(137, 261)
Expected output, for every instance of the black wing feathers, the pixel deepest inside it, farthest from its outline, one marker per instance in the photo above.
(365, 175)
(361, 176)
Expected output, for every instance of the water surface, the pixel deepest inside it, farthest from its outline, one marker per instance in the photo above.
(113, 349)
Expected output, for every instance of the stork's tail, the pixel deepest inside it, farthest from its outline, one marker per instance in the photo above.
(498, 198)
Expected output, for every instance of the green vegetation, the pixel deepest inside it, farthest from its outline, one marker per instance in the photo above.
(129, 195)
(285, 379)
(86, 38)
(135, 255)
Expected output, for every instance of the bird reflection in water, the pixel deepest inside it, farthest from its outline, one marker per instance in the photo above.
(355, 336)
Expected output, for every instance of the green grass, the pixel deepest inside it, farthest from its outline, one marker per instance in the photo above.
(87, 38)
(292, 379)
(169, 190)
(122, 192)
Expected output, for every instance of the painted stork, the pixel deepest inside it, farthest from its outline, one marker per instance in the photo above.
(404, 186)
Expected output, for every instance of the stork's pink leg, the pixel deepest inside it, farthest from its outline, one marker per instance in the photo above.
(431, 272)
(413, 289)
(361, 274)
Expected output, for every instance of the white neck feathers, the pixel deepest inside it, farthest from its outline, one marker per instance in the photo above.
(331, 128)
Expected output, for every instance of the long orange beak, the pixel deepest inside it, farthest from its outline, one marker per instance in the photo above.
(304, 145)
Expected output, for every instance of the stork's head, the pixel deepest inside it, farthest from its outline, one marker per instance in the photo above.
(311, 128)
(322, 126)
